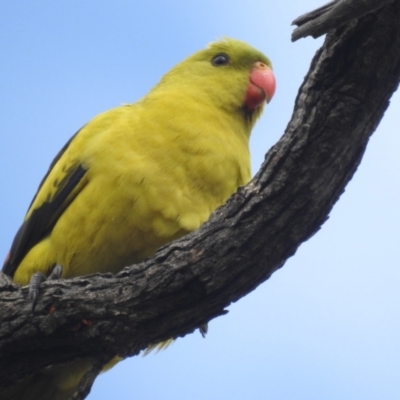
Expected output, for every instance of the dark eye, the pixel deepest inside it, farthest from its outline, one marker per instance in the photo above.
(220, 60)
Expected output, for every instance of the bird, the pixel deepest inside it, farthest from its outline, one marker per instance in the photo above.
(139, 176)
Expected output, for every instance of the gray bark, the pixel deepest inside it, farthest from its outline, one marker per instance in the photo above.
(333, 15)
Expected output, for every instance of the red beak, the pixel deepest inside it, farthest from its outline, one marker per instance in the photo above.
(261, 87)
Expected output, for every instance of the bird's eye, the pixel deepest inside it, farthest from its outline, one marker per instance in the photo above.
(220, 60)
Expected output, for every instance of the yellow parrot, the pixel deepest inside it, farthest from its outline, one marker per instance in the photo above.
(139, 176)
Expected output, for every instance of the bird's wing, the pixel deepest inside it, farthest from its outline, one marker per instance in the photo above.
(57, 189)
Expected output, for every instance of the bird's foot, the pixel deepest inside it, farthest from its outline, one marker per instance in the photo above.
(36, 281)
(203, 330)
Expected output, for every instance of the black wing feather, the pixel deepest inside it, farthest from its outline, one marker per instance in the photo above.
(53, 163)
(42, 220)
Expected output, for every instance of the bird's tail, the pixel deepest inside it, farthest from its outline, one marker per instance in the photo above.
(53, 383)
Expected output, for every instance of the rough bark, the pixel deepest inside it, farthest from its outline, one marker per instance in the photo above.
(194, 279)
(333, 15)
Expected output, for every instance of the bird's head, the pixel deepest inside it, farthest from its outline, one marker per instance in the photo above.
(229, 73)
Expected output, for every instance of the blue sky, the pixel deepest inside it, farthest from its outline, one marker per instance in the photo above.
(324, 326)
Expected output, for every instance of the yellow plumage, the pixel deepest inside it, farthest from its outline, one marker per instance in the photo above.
(140, 190)
(141, 175)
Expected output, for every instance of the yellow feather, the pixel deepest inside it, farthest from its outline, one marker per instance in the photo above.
(154, 171)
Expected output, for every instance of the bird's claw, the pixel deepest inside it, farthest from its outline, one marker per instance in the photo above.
(55, 272)
(37, 279)
(203, 328)
(34, 286)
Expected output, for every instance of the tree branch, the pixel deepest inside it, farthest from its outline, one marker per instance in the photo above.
(194, 279)
(333, 15)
